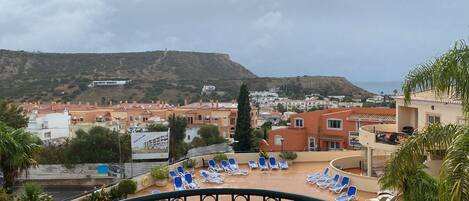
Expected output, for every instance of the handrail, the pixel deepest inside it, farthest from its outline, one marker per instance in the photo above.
(215, 193)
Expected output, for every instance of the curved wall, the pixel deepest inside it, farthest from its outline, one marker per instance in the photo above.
(364, 183)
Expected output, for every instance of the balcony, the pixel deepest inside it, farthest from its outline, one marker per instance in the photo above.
(381, 136)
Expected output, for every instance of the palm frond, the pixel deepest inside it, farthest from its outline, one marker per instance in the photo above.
(446, 75)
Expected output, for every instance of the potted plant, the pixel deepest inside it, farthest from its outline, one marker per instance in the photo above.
(190, 164)
(289, 156)
(127, 186)
(161, 175)
(263, 154)
(219, 157)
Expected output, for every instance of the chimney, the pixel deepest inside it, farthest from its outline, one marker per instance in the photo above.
(211, 102)
(110, 103)
(96, 104)
(79, 102)
(217, 104)
(152, 102)
(126, 102)
(87, 103)
(185, 101)
(200, 102)
(120, 102)
(68, 102)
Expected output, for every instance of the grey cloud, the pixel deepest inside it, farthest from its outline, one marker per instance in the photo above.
(363, 40)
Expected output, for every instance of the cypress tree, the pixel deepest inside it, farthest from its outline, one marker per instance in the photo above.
(243, 134)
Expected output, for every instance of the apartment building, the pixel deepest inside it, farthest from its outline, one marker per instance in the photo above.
(123, 116)
(329, 129)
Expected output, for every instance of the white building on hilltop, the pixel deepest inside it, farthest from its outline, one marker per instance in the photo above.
(208, 89)
(109, 83)
(50, 127)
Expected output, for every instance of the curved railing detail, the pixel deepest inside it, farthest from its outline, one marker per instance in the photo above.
(223, 193)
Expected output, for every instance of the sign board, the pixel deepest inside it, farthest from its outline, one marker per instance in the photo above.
(150, 145)
(354, 139)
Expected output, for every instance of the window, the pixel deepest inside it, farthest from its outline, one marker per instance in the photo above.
(199, 117)
(334, 145)
(353, 139)
(278, 140)
(358, 125)
(299, 123)
(433, 119)
(188, 137)
(311, 144)
(47, 135)
(335, 124)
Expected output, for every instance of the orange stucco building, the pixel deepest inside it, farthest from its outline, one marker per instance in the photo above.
(329, 129)
(125, 115)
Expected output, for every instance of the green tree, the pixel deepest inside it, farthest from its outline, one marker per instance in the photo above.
(208, 135)
(12, 115)
(157, 128)
(177, 147)
(448, 75)
(280, 108)
(98, 145)
(18, 150)
(243, 134)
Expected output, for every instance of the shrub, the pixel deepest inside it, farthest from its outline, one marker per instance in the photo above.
(219, 157)
(288, 155)
(31, 192)
(127, 186)
(4, 196)
(263, 154)
(160, 172)
(189, 163)
(115, 194)
(98, 195)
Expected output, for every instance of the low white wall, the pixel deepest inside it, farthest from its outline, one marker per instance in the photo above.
(364, 183)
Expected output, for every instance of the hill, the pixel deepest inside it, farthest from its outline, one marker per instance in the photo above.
(167, 75)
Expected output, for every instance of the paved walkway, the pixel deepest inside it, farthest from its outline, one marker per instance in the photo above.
(291, 180)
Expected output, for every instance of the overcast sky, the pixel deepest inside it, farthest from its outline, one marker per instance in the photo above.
(363, 40)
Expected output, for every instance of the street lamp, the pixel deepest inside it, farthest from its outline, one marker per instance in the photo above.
(281, 141)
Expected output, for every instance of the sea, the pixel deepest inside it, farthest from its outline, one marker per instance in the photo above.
(377, 87)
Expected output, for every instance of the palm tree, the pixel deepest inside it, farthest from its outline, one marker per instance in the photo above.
(446, 75)
(18, 150)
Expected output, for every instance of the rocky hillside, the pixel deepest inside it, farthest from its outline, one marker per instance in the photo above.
(168, 75)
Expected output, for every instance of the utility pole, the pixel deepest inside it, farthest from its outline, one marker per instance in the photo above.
(120, 150)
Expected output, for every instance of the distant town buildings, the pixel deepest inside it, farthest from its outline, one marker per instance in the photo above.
(57, 120)
(375, 99)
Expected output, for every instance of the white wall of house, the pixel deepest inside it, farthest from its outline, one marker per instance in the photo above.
(50, 126)
(416, 114)
(191, 133)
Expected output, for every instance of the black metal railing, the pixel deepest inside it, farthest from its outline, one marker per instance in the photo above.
(234, 194)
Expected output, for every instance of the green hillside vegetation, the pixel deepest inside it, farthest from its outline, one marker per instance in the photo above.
(156, 75)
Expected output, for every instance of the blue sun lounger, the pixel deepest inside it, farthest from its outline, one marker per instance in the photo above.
(330, 182)
(282, 164)
(273, 163)
(340, 186)
(181, 171)
(190, 183)
(233, 164)
(214, 166)
(178, 185)
(349, 195)
(253, 164)
(172, 174)
(262, 164)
